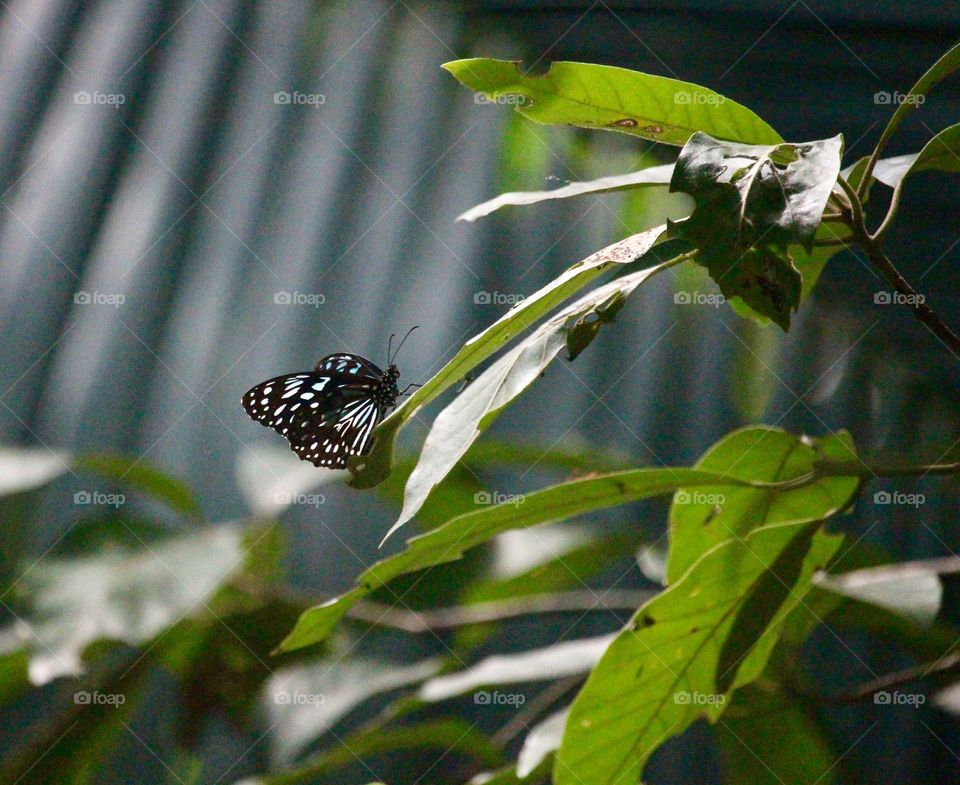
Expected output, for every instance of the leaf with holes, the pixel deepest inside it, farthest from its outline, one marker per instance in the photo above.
(752, 203)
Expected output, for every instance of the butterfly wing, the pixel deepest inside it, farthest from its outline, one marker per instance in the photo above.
(328, 441)
(326, 415)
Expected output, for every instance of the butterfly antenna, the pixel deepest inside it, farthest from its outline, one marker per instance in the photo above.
(389, 344)
(390, 361)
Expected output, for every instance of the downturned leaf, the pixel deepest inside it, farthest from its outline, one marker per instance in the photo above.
(752, 202)
(472, 412)
(653, 175)
(616, 99)
(373, 468)
(671, 664)
(448, 542)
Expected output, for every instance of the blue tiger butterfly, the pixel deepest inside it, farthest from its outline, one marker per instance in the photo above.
(328, 414)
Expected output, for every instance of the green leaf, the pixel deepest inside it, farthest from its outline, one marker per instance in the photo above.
(653, 175)
(373, 468)
(752, 733)
(617, 99)
(566, 658)
(472, 412)
(703, 518)
(752, 202)
(664, 670)
(449, 542)
(137, 473)
(121, 594)
(939, 71)
(303, 702)
(941, 153)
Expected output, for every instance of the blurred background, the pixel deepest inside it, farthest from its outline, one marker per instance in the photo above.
(199, 195)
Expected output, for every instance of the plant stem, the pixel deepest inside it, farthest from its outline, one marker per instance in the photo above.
(914, 300)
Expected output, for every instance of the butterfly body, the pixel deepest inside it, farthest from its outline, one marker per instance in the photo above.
(328, 414)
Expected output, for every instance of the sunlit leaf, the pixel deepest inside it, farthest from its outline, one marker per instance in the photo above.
(617, 99)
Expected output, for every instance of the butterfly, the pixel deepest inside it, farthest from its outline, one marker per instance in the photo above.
(330, 413)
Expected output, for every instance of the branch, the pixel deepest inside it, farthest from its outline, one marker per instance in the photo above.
(889, 681)
(915, 301)
(482, 612)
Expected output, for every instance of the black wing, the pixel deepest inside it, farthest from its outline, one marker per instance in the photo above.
(327, 414)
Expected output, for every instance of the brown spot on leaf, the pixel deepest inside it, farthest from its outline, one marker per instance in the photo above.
(626, 122)
(653, 129)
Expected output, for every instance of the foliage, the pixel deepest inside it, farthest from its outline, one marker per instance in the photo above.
(756, 559)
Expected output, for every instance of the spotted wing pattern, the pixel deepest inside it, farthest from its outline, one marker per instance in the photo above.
(328, 414)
